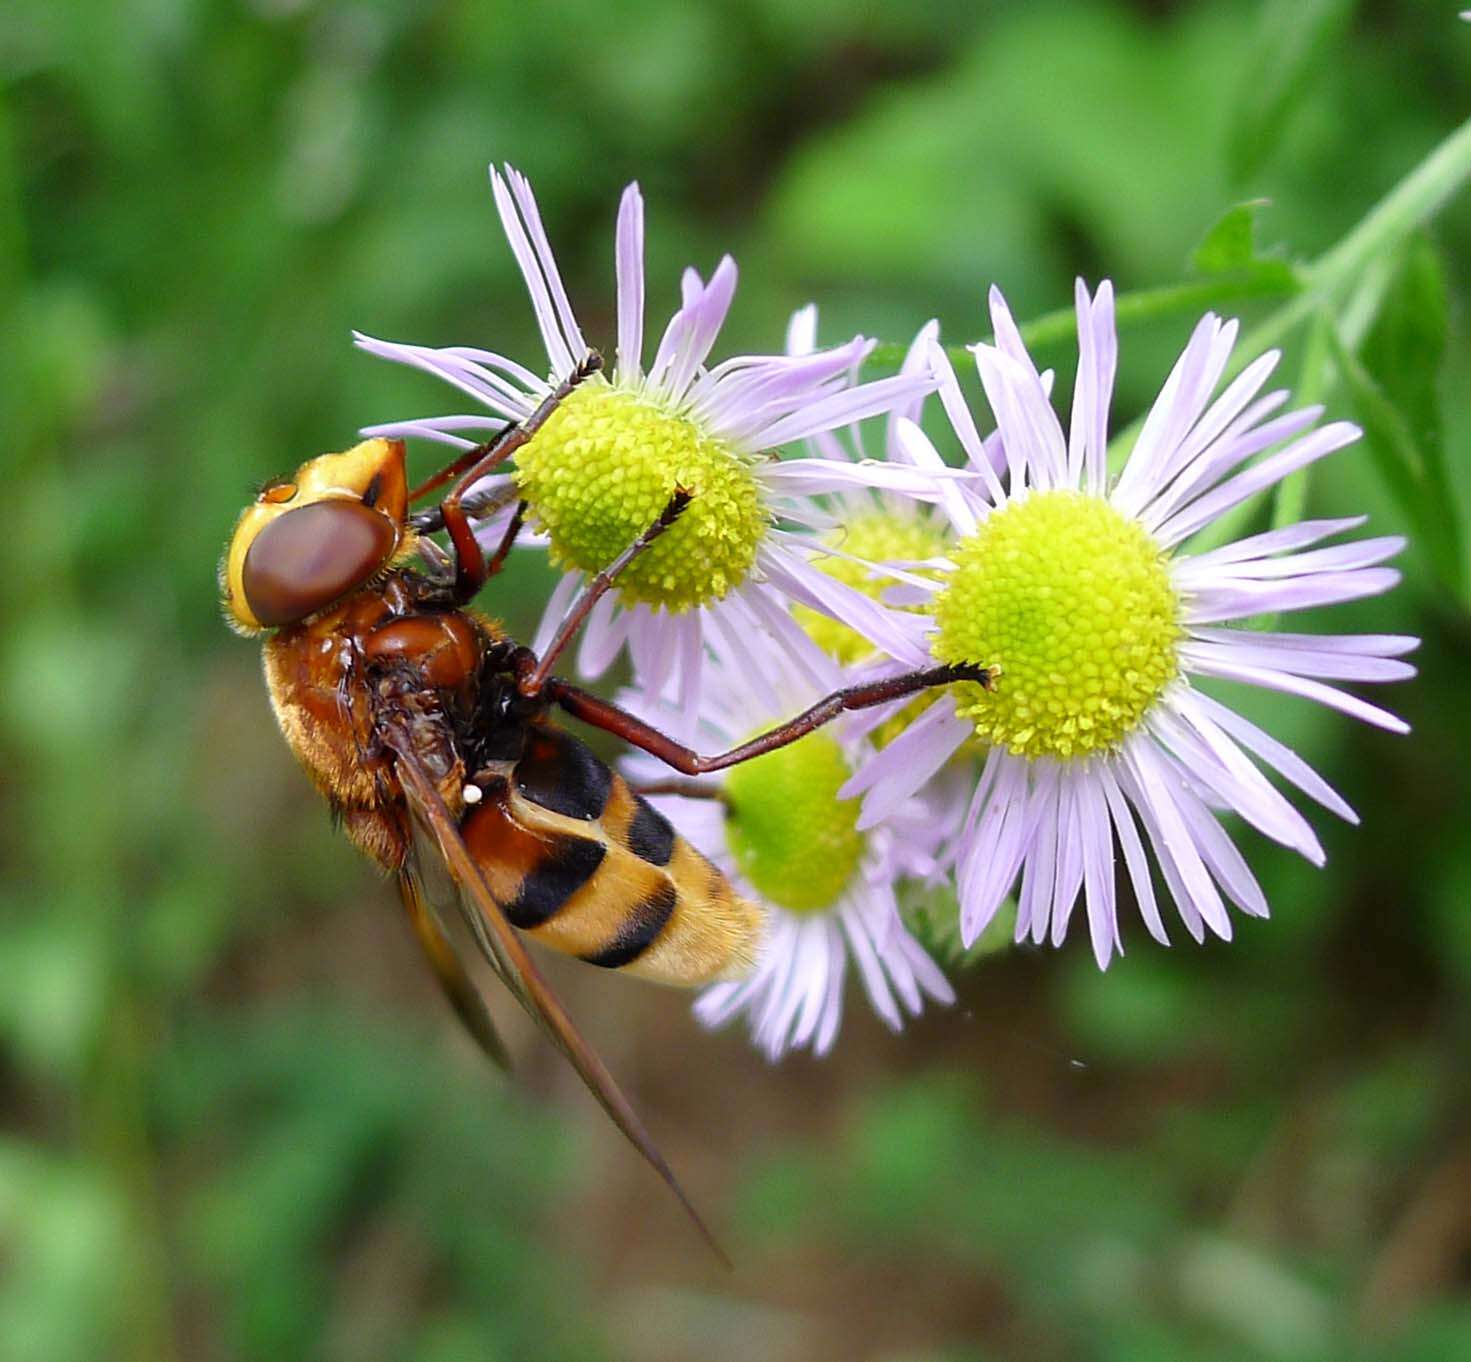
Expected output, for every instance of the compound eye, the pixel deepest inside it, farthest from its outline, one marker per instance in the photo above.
(278, 493)
(307, 558)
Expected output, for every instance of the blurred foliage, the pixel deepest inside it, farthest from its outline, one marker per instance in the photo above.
(238, 1123)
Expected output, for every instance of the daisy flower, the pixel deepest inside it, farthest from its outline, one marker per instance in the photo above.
(1101, 619)
(777, 827)
(608, 461)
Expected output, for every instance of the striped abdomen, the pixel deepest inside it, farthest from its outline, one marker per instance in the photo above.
(587, 867)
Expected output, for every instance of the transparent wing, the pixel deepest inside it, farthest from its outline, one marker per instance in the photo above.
(508, 957)
(458, 987)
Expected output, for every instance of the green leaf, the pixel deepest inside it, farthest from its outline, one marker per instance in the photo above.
(1394, 381)
(1293, 40)
(1230, 248)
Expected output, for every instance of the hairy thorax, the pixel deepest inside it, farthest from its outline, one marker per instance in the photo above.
(333, 677)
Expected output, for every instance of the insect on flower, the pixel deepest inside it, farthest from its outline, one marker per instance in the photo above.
(427, 730)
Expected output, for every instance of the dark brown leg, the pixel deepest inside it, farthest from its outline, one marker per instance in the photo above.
(589, 596)
(508, 540)
(478, 506)
(601, 714)
(685, 787)
(470, 566)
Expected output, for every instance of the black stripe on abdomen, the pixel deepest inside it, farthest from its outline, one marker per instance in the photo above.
(638, 931)
(559, 773)
(650, 834)
(568, 865)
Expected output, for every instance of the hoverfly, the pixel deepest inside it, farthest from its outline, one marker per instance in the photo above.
(428, 731)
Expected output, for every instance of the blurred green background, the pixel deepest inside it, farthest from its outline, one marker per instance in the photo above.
(238, 1123)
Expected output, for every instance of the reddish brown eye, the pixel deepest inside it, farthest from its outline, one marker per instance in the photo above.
(312, 556)
(278, 492)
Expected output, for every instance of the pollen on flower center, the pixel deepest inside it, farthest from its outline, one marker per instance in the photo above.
(792, 837)
(878, 537)
(1074, 602)
(604, 466)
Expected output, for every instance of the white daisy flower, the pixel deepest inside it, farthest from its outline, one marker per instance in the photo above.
(608, 461)
(777, 827)
(1088, 599)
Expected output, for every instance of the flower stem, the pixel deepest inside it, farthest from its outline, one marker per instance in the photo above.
(1406, 208)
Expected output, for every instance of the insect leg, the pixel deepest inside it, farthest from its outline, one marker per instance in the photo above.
(684, 786)
(590, 365)
(590, 594)
(602, 714)
(470, 565)
(478, 506)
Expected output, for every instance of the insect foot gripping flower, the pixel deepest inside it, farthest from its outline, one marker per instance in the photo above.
(777, 826)
(604, 467)
(1100, 618)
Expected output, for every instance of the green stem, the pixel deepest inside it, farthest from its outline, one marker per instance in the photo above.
(1406, 208)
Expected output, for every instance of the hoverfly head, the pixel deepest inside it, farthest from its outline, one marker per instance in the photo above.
(306, 542)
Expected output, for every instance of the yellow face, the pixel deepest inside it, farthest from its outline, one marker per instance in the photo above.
(308, 541)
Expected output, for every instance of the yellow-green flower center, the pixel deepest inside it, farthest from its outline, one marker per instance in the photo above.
(790, 834)
(880, 538)
(604, 466)
(1073, 601)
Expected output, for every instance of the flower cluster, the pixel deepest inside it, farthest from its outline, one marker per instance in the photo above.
(1086, 761)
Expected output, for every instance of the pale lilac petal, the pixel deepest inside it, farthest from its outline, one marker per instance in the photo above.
(843, 408)
(920, 750)
(1008, 338)
(871, 971)
(1155, 783)
(1134, 855)
(990, 861)
(521, 222)
(1097, 363)
(1296, 685)
(1266, 748)
(889, 630)
(815, 477)
(979, 452)
(1256, 478)
(1248, 436)
(917, 362)
(707, 313)
(1220, 421)
(1362, 645)
(1098, 868)
(1244, 646)
(1034, 902)
(1030, 433)
(603, 636)
(1269, 542)
(802, 331)
(1222, 857)
(427, 429)
(1208, 757)
(1234, 600)
(630, 271)
(922, 454)
(1178, 406)
(1336, 558)
(505, 401)
(1068, 880)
